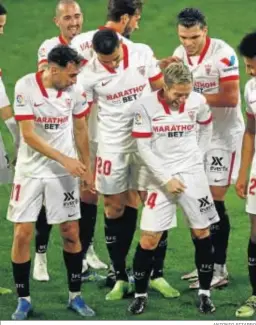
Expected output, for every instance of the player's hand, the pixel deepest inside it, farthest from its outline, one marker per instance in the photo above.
(87, 182)
(241, 186)
(74, 167)
(166, 61)
(174, 186)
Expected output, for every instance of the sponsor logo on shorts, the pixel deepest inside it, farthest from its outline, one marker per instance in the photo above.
(217, 165)
(70, 201)
(205, 204)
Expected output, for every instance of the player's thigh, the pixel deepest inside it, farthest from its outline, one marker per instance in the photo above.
(219, 164)
(196, 201)
(62, 202)
(133, 199)
(112, 172)
(26, 199)
(158, 213)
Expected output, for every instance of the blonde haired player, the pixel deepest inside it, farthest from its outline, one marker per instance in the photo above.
(165, 127)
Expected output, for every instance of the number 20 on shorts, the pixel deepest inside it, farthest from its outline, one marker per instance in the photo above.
(103, 166)
(252, 186)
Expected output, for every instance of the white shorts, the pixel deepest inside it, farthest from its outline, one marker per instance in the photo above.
(250, 206)
(60, 196)
(116, 172)
(159, 213)
(6, 173)
(219, 164)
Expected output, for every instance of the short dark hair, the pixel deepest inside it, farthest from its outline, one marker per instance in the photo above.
(3, 10)
(105, 41)
(190, 17)
(63, 54)
(118, 8)
(247, 46)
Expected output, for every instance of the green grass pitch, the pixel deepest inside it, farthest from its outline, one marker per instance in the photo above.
(30, 23)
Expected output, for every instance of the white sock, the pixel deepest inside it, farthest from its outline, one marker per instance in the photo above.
(27, 298)
(141, 295)
(72, 295)
(204, 292)
(219, 269)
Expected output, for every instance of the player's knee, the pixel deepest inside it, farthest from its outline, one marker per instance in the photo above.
(219, 192)
(149, 241)
(114, 209)
(23, 235)
(89, 198)
(70, 232)
(200, 233)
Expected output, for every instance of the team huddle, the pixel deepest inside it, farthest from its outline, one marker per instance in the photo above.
(104, 116)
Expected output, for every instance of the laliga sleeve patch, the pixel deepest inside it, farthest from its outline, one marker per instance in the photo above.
(138, 119)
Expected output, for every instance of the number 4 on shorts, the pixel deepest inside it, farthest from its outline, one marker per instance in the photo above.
(151, 200)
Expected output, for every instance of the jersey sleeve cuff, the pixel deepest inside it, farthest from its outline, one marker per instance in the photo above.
(206, 121)
(141, 134)
(24, 117)
(42, 61)
(156, 77)
(230, 78)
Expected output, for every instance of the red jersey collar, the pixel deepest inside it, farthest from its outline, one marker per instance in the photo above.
(125, 60)
(41, 86)
(203, 53)
(106, 27)
(166, 107)
(62, 41)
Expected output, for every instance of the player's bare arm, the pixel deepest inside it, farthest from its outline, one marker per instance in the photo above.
(73, 166)
(82, 144)
(247, 155)
(228, 95)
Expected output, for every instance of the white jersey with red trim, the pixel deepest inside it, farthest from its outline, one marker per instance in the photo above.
(116, 90)
(217, 63)
(52, 113)
(173, 134)
(250, 100)
(47, 46)
(4, 100)
(82, 43)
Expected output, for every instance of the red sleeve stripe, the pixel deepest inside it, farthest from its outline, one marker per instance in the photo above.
(24, 117)
(84, 113)
(205, 122)
(156, 77)
(230, 78)
(84, 62)
(250, 115)
(43, 61)
(141, 134)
